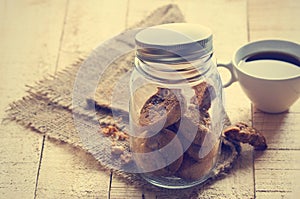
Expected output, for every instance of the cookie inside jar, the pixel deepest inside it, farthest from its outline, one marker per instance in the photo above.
(173, 134)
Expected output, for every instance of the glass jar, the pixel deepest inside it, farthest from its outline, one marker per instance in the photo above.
(176, 106)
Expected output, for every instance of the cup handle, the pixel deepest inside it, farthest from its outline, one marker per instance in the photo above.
(233, 77)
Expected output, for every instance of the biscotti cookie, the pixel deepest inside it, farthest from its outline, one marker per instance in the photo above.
(241, 132)
(194, 125)
(154, 155)
(163, 108)
(194, 170)
(198, 152)
(204, 93)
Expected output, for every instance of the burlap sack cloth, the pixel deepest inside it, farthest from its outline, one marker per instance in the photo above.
(48, 109)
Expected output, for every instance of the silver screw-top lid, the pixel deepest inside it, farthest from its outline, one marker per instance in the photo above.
(174, 42)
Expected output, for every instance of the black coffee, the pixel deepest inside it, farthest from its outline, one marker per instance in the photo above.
(279, 56)
(271, 65)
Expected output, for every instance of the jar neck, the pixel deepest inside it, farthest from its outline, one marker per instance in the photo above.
(174, 73)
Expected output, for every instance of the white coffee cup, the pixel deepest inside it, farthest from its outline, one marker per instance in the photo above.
(271, 88)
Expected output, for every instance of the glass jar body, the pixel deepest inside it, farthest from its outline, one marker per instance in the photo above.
(176, 120)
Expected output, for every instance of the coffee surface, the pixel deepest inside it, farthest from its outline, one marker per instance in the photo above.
(279, 56)
(271, 65)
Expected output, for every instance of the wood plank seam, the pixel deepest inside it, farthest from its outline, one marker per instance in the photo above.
(253, 168)
(126, 27)
(248, 34)
(274, 191)
(39, 168)
(282, 149)
(55, 71)
(252, 121)
(251, 107)
(126, 14)
(61, 36)
(109, 185)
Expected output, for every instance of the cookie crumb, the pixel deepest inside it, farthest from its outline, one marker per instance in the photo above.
(117, 150)
(114, 132)
(126, 158)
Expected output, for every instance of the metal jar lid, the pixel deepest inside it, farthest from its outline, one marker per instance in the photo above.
(174, 42)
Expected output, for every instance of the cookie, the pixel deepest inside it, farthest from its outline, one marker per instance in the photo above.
(194, 125)
(241, 132)
(204, 93)
(198, 152)
(154, 156)
(162, 109)
(195, 170)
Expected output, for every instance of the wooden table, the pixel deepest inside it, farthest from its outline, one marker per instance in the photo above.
(44, 36)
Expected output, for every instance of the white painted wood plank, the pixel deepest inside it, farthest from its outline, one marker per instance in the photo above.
(20, 155)
(67, 172)
(88, 24)
(29, 39)
(64, 172)
(282, 131)
(277, 171)
(274, 19)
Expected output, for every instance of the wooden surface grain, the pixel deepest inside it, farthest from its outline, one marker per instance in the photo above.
(44, 36)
